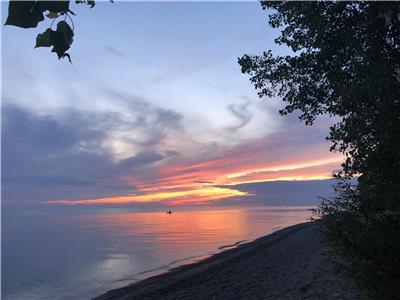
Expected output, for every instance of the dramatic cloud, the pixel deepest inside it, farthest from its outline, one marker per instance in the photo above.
(68, 156)
(140, 155)
(134, 122)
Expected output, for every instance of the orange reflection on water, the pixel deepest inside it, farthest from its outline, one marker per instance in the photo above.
(144, 242)
(190, 226)
(185, 229)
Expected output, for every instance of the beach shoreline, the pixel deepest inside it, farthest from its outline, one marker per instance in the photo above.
(286, 264)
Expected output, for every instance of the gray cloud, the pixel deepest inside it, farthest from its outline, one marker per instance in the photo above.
(169, 118)
(153, 121)
(47, 181)
(242, 113)
(143, 158)
(306, 192)
(47, 157)
(114, 51)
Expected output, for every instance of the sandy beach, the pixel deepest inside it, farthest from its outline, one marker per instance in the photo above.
(288, 264)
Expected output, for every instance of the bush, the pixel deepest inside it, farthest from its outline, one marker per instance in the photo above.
(364, 244)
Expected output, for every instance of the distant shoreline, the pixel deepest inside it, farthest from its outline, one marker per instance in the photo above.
(287, 264)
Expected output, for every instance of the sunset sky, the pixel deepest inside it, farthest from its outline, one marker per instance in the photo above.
(153, 110)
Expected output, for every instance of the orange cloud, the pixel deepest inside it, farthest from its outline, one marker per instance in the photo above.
(200, 181)
(203, 194)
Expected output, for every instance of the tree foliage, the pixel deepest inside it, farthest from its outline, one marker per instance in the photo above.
(28, 14)
(346, 63)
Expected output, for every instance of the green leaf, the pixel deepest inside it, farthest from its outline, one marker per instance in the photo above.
(28, 14)
(66, 30)
(25, 14)
(60, 44)
(61, 39)
(52, 15)
(44, 39)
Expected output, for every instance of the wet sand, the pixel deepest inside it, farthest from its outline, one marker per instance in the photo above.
(287, 264)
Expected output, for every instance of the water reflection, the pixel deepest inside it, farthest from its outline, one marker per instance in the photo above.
(78, 257)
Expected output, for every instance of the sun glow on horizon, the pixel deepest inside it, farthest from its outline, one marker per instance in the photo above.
(211, 181)
(205, 194)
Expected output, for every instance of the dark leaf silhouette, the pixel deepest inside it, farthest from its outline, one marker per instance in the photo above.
(44, 39)
(28, 14)
(60, 39)
(25, 14)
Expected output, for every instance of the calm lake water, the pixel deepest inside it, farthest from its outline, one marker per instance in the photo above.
(79, 256)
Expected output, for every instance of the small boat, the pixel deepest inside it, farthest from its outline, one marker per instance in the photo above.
(169, 212)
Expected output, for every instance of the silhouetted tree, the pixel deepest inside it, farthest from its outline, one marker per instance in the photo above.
(346, 63)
